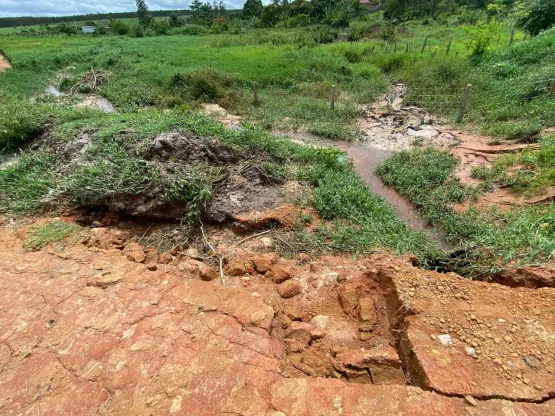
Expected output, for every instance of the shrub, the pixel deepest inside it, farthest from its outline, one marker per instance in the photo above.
(118, 27)
(206, 85)
(20, 122)
(539, 15)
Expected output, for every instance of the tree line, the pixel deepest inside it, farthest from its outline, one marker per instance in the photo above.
(39, 21)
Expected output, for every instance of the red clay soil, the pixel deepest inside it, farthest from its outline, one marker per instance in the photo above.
(474, 151)
(105, 326)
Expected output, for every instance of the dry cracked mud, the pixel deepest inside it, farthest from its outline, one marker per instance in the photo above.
(102, 325)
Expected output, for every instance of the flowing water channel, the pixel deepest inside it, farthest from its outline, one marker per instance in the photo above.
(366, 160)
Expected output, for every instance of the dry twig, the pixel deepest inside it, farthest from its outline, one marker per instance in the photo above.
(220, 258)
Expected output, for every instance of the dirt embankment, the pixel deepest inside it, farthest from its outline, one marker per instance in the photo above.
(105, 325)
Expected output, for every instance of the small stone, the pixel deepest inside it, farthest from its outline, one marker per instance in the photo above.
(303, 258)
(538, 388)
(317, 334)
(165, 258)
(279, 274)
(471, 352)
(508, 339)
(263, 262)
(152, 267)
(471, 400)
(289, 288)
(445, 340)
(348, 297)
(137, 257)
(235, 267)
(255, 294)
(320, 321)
(532, 362)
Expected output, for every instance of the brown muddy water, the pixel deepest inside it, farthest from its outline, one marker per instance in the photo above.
(366, 160)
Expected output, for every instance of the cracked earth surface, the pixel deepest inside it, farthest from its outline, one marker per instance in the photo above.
(103, 326)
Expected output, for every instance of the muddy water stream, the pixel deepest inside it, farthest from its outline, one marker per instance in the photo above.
(366, 160)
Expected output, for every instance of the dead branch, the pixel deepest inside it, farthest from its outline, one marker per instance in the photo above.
(252, 236)
(220, 258)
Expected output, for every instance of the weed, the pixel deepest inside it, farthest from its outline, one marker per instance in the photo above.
(52, 232)
(521, 236)
(25, 183)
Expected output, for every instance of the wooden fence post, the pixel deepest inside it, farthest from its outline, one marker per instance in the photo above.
(448, 48)
(424, 45)
(332, 103)
(464, 102)
(407, 51)
(255, 93)
(512, 37)
(551, 89)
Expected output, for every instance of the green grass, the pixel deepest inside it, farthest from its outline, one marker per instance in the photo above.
(52, 232)
(355, 219)
(25, 184)
(494, 238)
(157, 82)
(529, 173)
(510, 87)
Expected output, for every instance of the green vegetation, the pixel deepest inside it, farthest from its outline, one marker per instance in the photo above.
(52, 232)
(530, 172)
(494, 238)
(357, 219)
(294, 53)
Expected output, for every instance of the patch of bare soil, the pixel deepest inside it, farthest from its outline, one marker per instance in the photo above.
(4, 63)
(220, 114)
(108, 326)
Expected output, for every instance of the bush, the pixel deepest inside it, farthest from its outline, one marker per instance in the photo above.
(20, 122)
(192, 29)
(206, 85)
(539, 15)
(119, 28)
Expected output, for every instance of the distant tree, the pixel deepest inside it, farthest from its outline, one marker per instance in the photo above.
(67, 29)
(173, 20)
(270, 15)
(118, 27)
(145, 17)
(252, 8)
(539, 15)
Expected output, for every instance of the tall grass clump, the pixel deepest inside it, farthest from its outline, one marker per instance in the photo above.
(495, 238)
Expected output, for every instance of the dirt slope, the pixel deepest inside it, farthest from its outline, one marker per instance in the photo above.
(104, 326)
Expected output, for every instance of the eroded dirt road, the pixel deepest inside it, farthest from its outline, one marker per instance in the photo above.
(105, 326)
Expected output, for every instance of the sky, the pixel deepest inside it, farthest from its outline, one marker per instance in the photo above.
(11, 8)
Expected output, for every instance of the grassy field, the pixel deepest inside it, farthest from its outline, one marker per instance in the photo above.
(157, 83)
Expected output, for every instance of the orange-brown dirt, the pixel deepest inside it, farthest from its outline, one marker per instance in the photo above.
(102, 325)
(4, 64)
